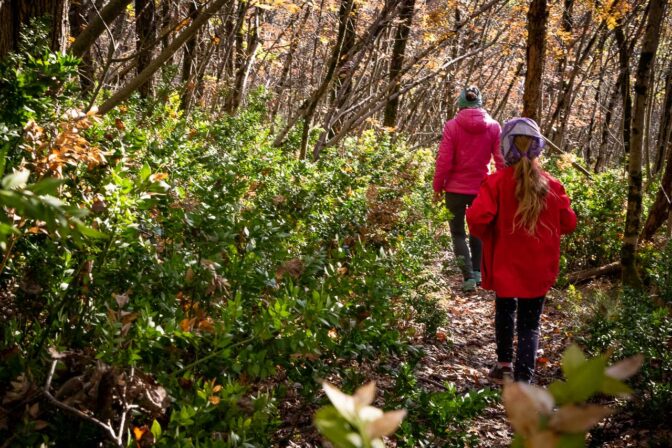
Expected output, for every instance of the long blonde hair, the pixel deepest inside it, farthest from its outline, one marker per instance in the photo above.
(531, 187)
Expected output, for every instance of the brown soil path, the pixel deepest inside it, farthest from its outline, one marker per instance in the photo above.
(468, 352)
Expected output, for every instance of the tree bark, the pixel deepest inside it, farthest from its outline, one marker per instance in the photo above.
(156, 64)
(188, 62)
(665, 130)
(80, 16)
(624, 62)
(537, 17)
(246, 51)
(97, 26)
(660, 210)
(634, 209)
(16, 14)
(145, 28)
(503, 102)
(604, 141)
(589, 274)
(397, 62)
(309, 105)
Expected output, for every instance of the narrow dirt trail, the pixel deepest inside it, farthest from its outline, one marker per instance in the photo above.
(468, 352)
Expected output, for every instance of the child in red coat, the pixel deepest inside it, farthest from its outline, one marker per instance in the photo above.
(519, 215)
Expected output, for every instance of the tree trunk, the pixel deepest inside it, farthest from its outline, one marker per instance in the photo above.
(309, 105)
(97, 26)
(344, 68)
(80, 17)
(634, 210)
(660, 210)
(665, 130)
(624, 62)
(397, 62)
(15, 14)
(567, 25)
(246, 50)
(537, 16)
(503, 102)
(145, 28)
(604, 141)
(188, 62)
(156, 64)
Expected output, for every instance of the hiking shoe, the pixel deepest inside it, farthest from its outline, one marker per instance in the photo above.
(501, 375)
(477, 276)
(469, 285)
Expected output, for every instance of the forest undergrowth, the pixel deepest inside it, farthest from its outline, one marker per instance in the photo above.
(172, 281)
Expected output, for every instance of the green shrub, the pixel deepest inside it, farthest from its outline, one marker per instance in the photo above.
(600, 208)
(639, 326)
(230, 271)
(436, 418)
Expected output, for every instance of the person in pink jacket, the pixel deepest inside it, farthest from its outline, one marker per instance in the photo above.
(470, 141)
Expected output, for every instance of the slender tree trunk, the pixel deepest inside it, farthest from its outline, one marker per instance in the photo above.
(567, 26)
(660, 210)
(145, 28)
(634, 210)
(188, 62)
(397, 62)
(15, 14)
(80, 17)
(158, 62)
(97, 26)
(604, 141)
(589, 143)
(308, 107)
(665, 130)
(624, 62)
(342, 85)
(537, 16)
(246, 51)
(502, 104)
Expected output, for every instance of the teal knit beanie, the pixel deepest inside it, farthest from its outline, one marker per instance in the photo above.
(470, 98)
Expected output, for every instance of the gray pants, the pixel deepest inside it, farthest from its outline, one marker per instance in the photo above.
(468, 256)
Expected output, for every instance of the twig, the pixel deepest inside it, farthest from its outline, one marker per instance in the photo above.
(433, 383)
(127, 407)
(108, 428)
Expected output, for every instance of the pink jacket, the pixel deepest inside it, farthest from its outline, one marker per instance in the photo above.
(468, 141)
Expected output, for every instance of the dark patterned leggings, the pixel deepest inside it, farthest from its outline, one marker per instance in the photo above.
(527, 328)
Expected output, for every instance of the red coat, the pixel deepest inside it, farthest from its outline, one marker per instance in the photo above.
(515, 263)
(469, 141)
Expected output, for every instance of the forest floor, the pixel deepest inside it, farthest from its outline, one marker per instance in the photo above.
(469, 353)
(463, 352)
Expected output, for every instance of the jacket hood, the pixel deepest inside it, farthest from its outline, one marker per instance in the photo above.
(474, 121)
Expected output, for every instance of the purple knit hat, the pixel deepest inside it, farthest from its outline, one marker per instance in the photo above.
(521, 126)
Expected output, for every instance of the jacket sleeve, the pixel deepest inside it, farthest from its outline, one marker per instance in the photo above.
(567, 215)
(482, 212)
(444, 159)
(496, 150)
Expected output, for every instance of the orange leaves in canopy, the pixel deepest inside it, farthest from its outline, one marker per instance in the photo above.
(288, 6)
